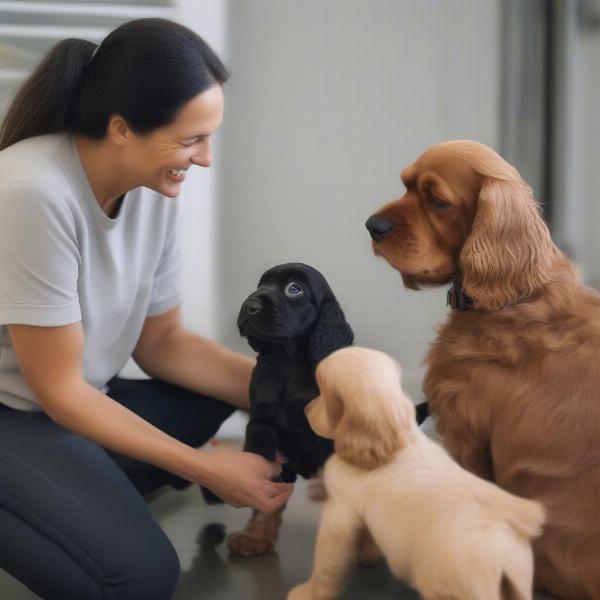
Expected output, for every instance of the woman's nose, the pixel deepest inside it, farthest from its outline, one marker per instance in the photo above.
(203, 158)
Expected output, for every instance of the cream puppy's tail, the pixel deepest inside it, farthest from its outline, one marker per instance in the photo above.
(525, 518)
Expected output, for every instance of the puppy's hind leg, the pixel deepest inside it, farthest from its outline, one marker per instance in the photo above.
(259, 536)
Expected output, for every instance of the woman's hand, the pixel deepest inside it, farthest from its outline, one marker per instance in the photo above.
(244, 479)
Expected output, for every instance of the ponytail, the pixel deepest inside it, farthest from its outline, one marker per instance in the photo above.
(144, 71)
(42, 103)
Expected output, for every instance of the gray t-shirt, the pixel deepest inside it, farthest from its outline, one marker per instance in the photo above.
(63, 260)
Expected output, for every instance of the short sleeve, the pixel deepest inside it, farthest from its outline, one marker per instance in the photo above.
(166, 284)
(39, 258)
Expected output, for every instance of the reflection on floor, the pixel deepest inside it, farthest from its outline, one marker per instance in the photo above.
(208, 573)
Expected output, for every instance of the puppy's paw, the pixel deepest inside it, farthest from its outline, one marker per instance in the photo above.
(247, 543)
(301, 592)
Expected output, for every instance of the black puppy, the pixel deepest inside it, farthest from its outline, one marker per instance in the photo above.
(292, 321)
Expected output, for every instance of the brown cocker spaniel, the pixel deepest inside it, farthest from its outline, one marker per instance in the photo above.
(513, 377)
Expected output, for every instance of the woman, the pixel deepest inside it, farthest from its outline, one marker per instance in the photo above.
(94, 150)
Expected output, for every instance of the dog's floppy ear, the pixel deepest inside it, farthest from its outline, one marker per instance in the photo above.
(371, 422)
(330, 332)
(509, 252)
(323, 414)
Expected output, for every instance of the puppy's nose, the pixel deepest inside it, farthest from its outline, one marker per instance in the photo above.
(253, 305)
(379, 227)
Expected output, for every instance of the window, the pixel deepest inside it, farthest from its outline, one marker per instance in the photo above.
(29, 29)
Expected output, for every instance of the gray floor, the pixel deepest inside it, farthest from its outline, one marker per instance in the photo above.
(208, 573)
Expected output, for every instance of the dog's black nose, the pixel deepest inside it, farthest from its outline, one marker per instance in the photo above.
(379, 227)
(253, 305)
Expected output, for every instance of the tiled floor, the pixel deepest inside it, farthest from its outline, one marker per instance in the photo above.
(208, 573)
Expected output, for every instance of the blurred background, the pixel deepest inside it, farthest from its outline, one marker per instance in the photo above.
(327, 102)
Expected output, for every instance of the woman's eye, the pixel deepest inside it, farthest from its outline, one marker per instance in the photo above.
(195, 142)
(293, 290)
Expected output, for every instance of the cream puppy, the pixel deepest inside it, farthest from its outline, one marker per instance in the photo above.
(449, 534)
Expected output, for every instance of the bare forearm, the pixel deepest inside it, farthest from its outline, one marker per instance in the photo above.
(93, 415)
(201, 365)
(51, 360)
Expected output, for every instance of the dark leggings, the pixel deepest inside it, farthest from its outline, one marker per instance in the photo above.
(73, 521)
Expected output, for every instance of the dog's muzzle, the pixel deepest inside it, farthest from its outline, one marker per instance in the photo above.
(379, 227)
(253, 305)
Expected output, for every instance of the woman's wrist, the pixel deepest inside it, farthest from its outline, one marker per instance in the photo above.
(188, 463)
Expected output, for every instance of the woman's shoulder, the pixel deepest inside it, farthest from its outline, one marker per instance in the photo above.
(34, 171)
(37, 160)
(32, 147)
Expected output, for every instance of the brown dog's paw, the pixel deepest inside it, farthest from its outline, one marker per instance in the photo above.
(246, 543)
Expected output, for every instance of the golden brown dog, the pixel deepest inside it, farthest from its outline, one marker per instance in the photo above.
(447, 532)
(513, 379)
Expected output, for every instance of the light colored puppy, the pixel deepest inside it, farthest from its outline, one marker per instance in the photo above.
(449, 534)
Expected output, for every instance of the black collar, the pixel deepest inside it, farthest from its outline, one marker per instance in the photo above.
(457, 298)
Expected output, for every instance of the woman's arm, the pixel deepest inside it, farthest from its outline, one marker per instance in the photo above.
(168, 351)
(51, 360)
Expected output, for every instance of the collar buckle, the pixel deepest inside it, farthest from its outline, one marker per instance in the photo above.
(458, 300)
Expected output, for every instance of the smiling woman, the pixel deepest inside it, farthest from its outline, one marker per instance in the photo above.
(94, 151)
(157, 160)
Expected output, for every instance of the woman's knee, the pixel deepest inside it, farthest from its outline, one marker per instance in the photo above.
(152, 573)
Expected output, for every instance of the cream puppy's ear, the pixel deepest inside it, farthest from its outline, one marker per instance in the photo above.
(318, 416)
(324, 412)
(370, 416)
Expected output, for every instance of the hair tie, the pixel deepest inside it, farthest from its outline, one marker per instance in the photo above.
(93, 54)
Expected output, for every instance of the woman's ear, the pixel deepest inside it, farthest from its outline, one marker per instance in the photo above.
(330, 332)
(375, 422)
(509, 252)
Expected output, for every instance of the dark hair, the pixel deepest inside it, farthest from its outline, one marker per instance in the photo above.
(145, 71)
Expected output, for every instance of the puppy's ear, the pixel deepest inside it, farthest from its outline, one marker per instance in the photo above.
(509, 252)
(373, 423)
(330, 332)
(323, 414)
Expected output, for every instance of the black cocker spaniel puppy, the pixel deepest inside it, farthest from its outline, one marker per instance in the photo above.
(293, 321)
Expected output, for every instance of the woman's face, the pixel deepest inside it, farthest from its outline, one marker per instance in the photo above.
(159, 160)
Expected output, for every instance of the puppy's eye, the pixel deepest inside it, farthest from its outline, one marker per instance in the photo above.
(293, 290)
(438, 203)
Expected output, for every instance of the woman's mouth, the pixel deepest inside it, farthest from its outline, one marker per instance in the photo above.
(177, 175)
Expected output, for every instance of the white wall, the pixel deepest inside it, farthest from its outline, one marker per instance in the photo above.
(576, 173)
(326, 104)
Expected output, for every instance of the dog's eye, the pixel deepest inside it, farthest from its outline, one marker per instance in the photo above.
(438, 203)
(293, 290)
